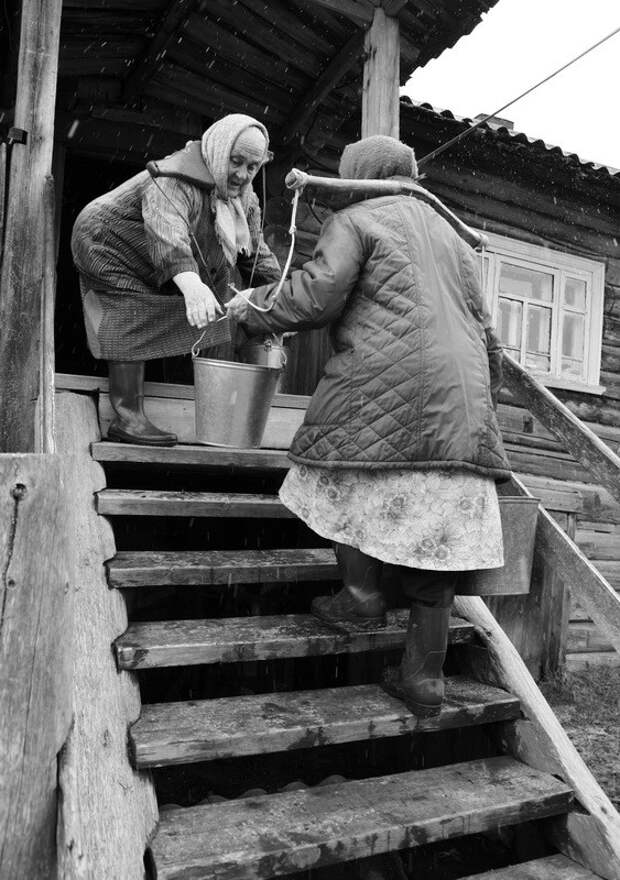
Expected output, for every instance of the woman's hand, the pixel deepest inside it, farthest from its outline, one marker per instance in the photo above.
(238, 307)
(201, 306)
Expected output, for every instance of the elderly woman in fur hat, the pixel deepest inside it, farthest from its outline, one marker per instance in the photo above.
(397, 458)
(156, 256)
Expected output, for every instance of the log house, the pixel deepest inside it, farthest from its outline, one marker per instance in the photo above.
(132, 80)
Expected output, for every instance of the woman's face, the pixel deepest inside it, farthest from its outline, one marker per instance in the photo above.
(242, 167)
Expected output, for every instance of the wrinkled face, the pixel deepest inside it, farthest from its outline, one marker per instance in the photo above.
(242, 168)
(246, 156)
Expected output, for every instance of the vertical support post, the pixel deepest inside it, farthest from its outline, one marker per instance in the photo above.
(381, 90)
(25, 253)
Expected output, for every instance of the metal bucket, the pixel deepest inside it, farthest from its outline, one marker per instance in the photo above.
(268, 353)
(232, 402)
(519, 517)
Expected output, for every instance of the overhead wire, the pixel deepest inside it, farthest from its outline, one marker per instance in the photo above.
(459, 137)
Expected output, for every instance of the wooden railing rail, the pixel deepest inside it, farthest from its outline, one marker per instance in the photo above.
(577, 438)
(595, 595)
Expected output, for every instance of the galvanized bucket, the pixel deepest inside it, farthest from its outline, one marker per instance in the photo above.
(232, 402)
(519, 517)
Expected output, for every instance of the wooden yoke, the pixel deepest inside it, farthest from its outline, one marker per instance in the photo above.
(381, 92)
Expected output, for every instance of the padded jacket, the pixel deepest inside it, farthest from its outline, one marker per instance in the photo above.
(409, 384)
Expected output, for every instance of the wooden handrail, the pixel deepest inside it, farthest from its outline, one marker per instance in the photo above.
(596, 596)
(579, 440)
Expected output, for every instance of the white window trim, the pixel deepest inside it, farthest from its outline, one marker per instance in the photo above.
(592, 271)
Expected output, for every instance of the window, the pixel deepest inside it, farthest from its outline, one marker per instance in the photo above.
(548, 310)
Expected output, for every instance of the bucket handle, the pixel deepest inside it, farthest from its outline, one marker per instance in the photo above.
(196, 345)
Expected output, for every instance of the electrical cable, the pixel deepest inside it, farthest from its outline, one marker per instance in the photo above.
(455, 140)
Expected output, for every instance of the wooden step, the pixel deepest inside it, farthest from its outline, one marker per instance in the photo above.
(235, 639)
(193, 456)
(188, 568)
(272, 835)
(556, 867)
(182, 733)
(143, 502)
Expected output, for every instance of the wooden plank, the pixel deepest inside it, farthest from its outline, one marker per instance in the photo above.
(142, 502)
(237, 639)
(108, 812)
(579, 440)
(599, 544)
(550, 747)
(207, 457)
(381, 86)
(181, 733)
(35, 656)
(207, 568)
(25, 254)
(336, 823)
(580, 577)
(340, 64)
(44, 422)
(359, 11)
(557, 867)
(579, 662)
(178, 10)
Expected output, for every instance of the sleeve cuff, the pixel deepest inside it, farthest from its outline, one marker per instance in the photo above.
(172, 269)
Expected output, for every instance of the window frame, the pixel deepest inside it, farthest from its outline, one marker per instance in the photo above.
(560, 264)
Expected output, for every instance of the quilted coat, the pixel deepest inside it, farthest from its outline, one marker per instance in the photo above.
(409, 384)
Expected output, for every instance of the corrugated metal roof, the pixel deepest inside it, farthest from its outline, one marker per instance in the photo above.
(507, 135)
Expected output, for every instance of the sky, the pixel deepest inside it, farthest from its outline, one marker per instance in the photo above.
(518, 43)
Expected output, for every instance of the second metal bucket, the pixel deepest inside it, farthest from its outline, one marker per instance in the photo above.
(232, 402)
(519, 517)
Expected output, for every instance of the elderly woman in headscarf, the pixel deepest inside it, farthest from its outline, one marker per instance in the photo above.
(399, 452)
(157, 254)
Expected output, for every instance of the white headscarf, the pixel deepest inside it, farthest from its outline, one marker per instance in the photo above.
(231, 226)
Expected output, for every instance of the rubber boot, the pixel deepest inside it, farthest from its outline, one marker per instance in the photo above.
(126, 390)
(419, 680)
(360, 604)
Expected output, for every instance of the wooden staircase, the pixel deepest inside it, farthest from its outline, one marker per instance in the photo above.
(276, 745)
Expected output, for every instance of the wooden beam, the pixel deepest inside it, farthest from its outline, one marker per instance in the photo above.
(44, 424)
(574, 436)
(585, 583)
(25, 255)
(381, 90)
(348, 56)
(359, 11)
(541, 742)
(36, 634)
(178, 10)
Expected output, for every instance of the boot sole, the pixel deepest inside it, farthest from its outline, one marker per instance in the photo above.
(348, 625)
(391, 685)
(120, 437)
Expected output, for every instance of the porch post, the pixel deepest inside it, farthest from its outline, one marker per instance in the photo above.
(380, 96)
(26, 269)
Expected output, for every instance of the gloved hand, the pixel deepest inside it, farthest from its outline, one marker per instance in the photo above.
(238, 307)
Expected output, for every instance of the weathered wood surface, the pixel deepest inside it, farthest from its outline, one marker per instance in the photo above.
(143, 502)
(381, 85)
(108, 810)
(336, 823)
(44, 439)
(192, 456)
(557, 867)
(580, 577)
(586, 447)
(179, 733)
(236, 639)
(549, 746)
(211, 567)
(24, 264)
(36, 601)
(580, 661)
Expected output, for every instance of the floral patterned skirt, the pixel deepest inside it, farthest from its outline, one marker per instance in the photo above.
(438, 519)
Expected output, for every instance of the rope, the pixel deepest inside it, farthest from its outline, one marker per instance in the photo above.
(464, 134)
